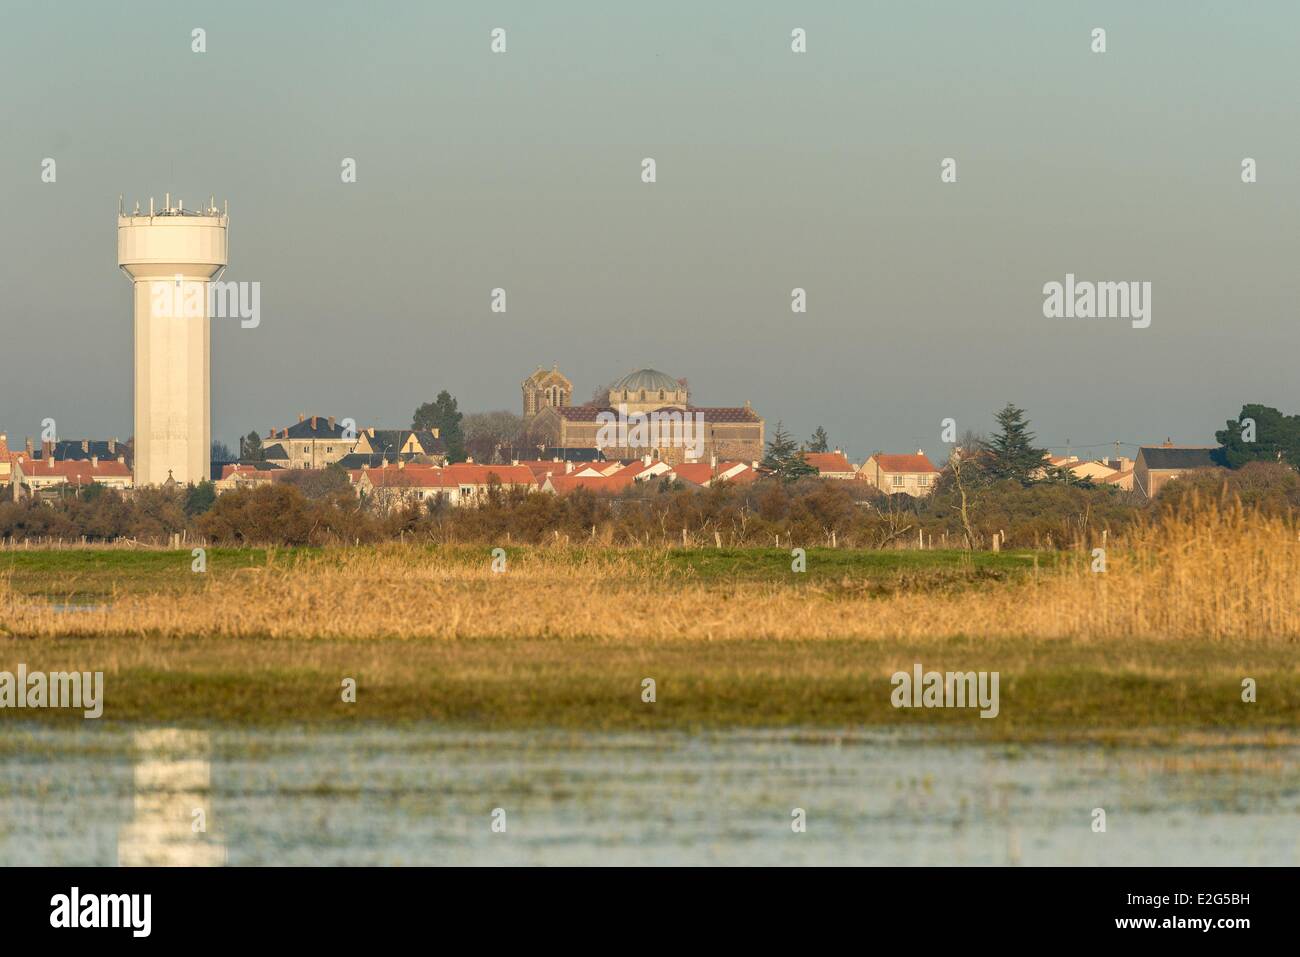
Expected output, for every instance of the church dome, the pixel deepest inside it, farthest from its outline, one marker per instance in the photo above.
(649, 380)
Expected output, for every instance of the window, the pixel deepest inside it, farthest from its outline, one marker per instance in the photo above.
(923, 481)
(896, 481)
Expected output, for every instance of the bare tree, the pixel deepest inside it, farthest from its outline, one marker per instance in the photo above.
(963, 468)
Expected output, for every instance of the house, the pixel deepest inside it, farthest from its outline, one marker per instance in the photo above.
(46, 477)
(645, 469)
(310, 443)
(831, 465)
(1122, 480)
(913, 475)
(1157, 465)
(411, 444)
(705, 474)
(6, 467)
(80, 450)
(457, 485)
(396, 486)
(600, 484)
(276, 454)
(236, 475)
(1095, 471)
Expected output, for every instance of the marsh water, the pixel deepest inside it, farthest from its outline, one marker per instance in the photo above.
(427, 795)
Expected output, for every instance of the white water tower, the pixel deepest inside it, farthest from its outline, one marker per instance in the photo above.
(170, 256)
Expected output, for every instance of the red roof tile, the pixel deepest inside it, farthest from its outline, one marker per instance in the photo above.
(76, 470)
(905, 463)
(601, 484)
(828, 461)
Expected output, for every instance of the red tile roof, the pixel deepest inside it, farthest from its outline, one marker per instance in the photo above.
(463, 474)
(905, 463)
(601, 484)
(75, 470)
(431, 476)
(828, 461)
(743, 477)
(697, 473)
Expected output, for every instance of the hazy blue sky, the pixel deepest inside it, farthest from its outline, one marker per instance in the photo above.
(775, 170)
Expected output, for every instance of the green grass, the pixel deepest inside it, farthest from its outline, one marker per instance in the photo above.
(94, 575)
(1049, 690)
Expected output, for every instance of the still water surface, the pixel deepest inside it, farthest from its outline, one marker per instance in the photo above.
(426, 795)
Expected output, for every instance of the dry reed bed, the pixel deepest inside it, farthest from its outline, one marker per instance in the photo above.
(1218, 572)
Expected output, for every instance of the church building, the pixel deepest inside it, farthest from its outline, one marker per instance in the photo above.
(545, 389)
(731, 433)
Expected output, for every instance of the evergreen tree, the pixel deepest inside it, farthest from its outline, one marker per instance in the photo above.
(820, 441)
(1276, 437)
(784, 458)
(250, 448)
(1011, 451)
(199, 498)
(442, 414)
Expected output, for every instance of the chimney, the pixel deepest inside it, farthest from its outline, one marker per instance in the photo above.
(1168, 444)
(94, 461)
(301, 416)
(514, 461)
(47, 449)
(372, 431)
(122, 459)
(313, 423)
(645, 460)
(568, 467)
(112, 446)
(401, 463)
(920, 451)
(29, 447)
(838, 450)
(331, 421)
(85, 445)
(713, 462)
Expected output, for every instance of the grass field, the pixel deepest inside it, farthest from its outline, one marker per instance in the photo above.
(1158, 645)
(87, 575)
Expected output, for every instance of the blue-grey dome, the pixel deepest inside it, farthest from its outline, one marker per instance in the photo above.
(650, 380)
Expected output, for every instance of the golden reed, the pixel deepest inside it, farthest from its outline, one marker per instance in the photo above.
(1213, 571)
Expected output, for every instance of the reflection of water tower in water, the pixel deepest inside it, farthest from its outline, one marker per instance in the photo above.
(171, 255)
(171, 803)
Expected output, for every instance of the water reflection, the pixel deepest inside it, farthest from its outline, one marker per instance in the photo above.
(369, 795)
(171, 822)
